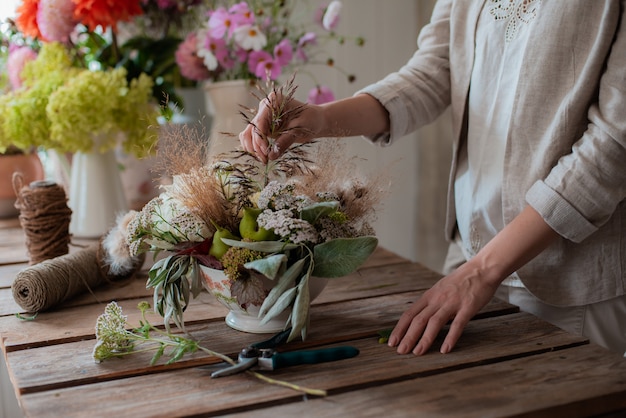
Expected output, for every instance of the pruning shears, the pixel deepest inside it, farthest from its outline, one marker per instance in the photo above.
(265, 356)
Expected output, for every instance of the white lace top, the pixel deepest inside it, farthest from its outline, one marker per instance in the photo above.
(501, 38)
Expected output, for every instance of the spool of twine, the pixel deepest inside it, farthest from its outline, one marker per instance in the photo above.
(44, 217)
(52, 282)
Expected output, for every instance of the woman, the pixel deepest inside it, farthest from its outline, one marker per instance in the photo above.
(536, 205)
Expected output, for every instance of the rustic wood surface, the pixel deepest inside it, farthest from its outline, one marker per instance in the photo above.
(507, 363)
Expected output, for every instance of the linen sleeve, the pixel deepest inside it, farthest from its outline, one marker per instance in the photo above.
(585, 187)
(419, 92)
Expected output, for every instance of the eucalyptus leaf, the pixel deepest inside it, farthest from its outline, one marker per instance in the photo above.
(281, 304)
(287, 280)
(262, 246)
(317, 210)
(269, 266)
(342, 256)
(300, 311)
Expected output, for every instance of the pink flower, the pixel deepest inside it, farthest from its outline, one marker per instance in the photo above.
(55, 19)
(331, 16)
(220, 23)
(261, 63)
(320, 95)
(283, 52)
(309, 38)
(16, 60)
(190, 64)
(257, 57)
(241, 14)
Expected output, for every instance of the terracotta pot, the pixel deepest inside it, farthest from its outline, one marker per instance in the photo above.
(31, 168)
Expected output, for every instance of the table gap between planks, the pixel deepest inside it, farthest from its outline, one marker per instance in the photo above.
(507, 363)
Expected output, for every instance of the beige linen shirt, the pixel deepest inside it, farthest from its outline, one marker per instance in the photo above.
(566, 145)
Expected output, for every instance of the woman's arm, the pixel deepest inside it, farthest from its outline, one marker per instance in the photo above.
(461, 294)
(357, 115)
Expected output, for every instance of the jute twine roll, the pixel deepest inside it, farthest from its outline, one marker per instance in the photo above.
(52, 282)
(44, 217)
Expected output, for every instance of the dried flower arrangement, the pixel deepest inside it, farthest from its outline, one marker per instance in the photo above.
(305, 214)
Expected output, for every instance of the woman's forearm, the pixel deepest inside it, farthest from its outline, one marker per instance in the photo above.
(357, 115)
(518, 243)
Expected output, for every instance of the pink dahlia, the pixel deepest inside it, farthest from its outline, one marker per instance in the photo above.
(56, 19)
(190, 64)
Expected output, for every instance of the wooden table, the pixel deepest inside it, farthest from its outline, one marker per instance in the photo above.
(507, 363)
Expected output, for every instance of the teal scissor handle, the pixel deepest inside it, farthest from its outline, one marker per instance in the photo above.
(294, 358)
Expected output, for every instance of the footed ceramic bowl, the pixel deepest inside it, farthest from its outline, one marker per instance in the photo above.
(247, 320)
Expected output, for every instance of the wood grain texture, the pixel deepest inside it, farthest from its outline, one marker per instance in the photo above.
(547, 385)
(330, 323)
(377, 365)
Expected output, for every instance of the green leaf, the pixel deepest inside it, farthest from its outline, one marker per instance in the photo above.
(317, 210)
(268, 266)
(300, 312)
(262, 246)
(281, 304)
(285, 281)
(342, 256)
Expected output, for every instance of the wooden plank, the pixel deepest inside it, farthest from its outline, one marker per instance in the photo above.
(548, 386)
(379, 259)
(329, 324)
(189, 392)
(8, 273)
(364, 283)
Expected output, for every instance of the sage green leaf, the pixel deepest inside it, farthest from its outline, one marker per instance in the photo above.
(262, 246)
(281, 304)
(317, 210)
(342, 256)
(300, 311)
(287, 280)
(194, 276)
(268, 266)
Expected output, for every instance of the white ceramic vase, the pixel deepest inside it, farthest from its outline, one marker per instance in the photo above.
(96, 194)
(222, 101)
(247, 320)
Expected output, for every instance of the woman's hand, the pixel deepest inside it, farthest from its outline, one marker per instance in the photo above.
(461, 294)
(457, 297)
(356, 115)
(301, 126)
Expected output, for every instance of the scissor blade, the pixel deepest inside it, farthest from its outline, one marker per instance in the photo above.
(242, 364)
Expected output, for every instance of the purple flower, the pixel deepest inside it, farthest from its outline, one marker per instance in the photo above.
(320, 95)
(55, 19)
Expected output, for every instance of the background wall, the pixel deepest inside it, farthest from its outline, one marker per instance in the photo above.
(411, 220)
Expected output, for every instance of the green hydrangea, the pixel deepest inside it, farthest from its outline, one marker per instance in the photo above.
(71, 109)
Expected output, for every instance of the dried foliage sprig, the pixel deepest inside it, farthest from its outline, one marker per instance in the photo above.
(113, 339)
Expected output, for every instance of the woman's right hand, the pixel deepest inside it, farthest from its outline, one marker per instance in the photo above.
(303, 123)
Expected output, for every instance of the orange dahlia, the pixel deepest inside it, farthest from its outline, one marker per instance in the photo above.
(26, 19)
(106, 13)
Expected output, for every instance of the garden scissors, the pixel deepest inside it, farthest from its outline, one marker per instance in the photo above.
(265, 356)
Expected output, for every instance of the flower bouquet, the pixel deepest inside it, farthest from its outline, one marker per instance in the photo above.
(286, 222)
(260, 40)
